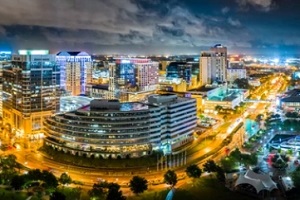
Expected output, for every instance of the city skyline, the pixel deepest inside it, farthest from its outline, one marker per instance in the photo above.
(152, 27)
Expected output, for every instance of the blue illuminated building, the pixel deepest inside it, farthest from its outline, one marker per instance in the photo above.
(179, 70)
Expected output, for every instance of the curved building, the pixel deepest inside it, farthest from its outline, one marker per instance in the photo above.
(108, 128)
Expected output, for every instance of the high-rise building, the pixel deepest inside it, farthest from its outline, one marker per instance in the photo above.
(213, 65)
(207, 62)
(5, 60)
(179, 70)
(132, 79)
(30, 86)
(76, 71)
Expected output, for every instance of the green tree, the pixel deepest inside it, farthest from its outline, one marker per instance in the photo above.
(65, 179)
(295, 175)
(71, 193)
(7, 167)
(49, 179)
(218, 108)
(242, 83)
(97, 191)
(228, 163)
(17, 182)
(170, 177)
(210, 166)
(220, 174)
(57, 196)
(138, 184)
(193, 171)
(114, 192)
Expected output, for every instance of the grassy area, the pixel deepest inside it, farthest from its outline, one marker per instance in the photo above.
(99, 162)
(9, 195)
(203, 188)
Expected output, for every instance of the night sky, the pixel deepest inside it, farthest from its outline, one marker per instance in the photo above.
(151, 26)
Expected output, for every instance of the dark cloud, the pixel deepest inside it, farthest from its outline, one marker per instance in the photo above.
(147, 25)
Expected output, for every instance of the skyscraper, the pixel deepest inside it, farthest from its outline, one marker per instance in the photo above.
(5, 60)
(76, 71)
(213, 65)
(30, 86)
(179, 70)
(132, 79)
(219, 70)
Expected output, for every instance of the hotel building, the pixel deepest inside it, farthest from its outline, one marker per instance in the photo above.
(110, 129)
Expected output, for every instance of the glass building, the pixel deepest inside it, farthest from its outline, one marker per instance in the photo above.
(108, 128)
(179, 70)
(30, 86)
(132, 79)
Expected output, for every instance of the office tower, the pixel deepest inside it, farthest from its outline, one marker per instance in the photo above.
(207, 62)
(213, 65)
(179, 70)
(76, 71)
(219, 70)
(5, 60)
(132, 79)
(30, 86)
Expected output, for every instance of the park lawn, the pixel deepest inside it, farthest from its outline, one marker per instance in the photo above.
(12, 195)
(205, 188)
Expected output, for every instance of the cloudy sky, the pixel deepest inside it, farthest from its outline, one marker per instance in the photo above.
(151, 26)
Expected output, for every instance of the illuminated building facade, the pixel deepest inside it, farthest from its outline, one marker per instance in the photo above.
(132, 79)
(236, 69)
(110, 129)
(30, 85)
(213, 65)
(76, 71)
(179, 70)
(5, 60)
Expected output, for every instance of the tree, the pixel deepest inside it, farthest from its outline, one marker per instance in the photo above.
(17, 182)
(98, 191)
(49, 179)
(242, 83)
(220, 174)
(7, 167)
(210, 166)
(138, 184)
(71, 193)
(218, 108)
(193, 171)
(170, 177)
(57, 196)
(296, 178)
(65, 179)
(228, 163)
(114, 192)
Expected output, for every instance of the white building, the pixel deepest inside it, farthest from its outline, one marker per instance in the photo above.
(213, 65)
(235, 70)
